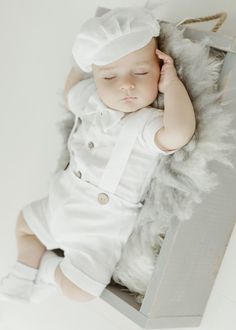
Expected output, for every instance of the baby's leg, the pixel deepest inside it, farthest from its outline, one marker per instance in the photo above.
(31, 257)
(70, 290)
(30, 249)
(19, 283)
(30, 252)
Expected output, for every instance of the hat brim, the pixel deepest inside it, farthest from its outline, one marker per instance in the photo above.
(121, 46)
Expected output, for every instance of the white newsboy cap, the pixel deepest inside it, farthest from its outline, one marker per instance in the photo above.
(118, 32)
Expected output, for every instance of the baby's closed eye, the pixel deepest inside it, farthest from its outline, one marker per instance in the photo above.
(136, 73)
(109, 78)
(141, 73)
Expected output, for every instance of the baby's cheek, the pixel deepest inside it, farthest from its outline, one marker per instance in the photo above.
(103, 90)
(153, 87)
(107, 96)
(152, 94)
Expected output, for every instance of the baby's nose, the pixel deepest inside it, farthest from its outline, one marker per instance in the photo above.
(127, 84)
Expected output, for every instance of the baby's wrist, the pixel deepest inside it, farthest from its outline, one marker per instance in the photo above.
(174, 81)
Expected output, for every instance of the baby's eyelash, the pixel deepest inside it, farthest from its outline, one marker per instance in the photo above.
(137, 73)
(141, 73)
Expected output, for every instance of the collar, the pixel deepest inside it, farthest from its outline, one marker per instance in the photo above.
(109, 117)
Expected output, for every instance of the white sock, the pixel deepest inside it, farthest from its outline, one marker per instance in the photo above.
(23, 271)
(47, 268)
(19, 283)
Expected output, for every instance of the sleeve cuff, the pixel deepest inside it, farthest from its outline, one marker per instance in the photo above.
(80, 279)
(149, 132)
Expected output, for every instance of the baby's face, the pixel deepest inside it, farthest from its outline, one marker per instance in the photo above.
(135, 75)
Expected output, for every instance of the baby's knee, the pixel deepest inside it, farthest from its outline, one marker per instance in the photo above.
(70, 290)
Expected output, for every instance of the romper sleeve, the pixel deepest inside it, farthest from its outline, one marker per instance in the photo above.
(79, 95)
(153, 124)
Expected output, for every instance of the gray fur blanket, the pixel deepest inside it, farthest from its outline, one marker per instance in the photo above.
(181, 179)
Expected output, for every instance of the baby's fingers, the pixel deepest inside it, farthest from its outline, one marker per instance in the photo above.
(166, 58)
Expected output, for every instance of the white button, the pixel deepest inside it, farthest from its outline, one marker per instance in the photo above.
(78, 174)
(103, 198)
(91, 145)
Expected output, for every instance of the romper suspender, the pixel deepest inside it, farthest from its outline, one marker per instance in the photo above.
(113, 171)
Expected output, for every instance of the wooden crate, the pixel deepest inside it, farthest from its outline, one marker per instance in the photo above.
(192, 251)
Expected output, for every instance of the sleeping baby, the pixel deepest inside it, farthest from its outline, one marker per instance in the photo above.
(116, 140)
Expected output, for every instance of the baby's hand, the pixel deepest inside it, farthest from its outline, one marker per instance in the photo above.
(168, 71)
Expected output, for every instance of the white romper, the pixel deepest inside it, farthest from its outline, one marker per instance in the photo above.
(91, 206)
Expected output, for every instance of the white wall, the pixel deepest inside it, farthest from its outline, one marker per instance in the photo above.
(35, 45)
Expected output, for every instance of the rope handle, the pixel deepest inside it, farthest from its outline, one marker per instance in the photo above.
(220, 16)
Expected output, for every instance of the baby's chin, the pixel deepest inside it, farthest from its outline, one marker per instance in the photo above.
(127, 107)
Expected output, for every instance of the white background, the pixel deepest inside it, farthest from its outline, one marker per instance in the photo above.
(35, 57)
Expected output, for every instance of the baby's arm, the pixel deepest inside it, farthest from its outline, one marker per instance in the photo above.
(74, 76)
(179, 118)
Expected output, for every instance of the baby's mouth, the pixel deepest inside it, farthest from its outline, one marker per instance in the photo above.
(128, 98)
